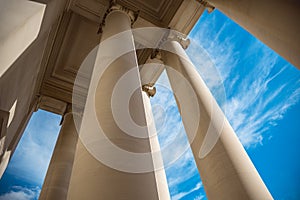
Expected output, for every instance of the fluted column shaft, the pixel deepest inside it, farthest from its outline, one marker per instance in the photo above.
(109, 175)
(58, 176)
(226, 170)
(160, 174)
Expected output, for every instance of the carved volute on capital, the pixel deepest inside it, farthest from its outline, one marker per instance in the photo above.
(113, 6)
(70, 111)
(181, 39)
(149, 89)
(171, 35)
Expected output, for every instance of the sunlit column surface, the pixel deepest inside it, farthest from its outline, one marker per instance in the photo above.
(111, 176)
(160, 174)
(57, 180)
(225, 168)
(276, 23)
(20, 24)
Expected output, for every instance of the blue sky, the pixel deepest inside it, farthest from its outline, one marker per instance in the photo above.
(26, 171)
(257, 89)
(259, 93)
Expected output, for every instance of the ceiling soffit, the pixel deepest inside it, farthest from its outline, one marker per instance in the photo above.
(157, 12)
(76, 35)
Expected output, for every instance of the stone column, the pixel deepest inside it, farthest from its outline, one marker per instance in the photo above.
(160, 174)
(225, 168)
(276, 23)
(58, 176)
(113, 157)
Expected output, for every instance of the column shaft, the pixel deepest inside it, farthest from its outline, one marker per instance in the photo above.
(57, 180)
(275, 23)
(105, 177)
(160, 174)
(226, 170)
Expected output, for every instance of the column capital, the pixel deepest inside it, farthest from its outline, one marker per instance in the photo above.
(149, 89)
(171, 35)
(70, 111)
(207, 5)
(180, 38)
(113, 6)
(156, 56)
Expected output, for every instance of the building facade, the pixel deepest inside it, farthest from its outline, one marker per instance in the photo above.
(95, 62)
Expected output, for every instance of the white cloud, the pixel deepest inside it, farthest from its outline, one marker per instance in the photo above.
(200, 197)
(167, 118)
(178, 158)
(182, 171)
(183, 194)
(249, 83)
(32, 156)
(256, 106)
(21, 193)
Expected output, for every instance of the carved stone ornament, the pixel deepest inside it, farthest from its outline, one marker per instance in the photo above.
(113, 6)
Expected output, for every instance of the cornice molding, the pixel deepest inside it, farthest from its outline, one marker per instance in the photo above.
(52, 105)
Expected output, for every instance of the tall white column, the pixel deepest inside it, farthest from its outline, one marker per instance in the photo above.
(276, 23)
(104, 166)
(160, 174)
(225, 168)
(58, 176)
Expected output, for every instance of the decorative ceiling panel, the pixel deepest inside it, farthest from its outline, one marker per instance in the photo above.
(75, 38)
(158, 12)
(76, 35)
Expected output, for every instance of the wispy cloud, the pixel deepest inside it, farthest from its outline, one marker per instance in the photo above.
(200, 197)
(31, 158)
(21, 193)
(183, 194)
(181, 170)
(252, 84)
(165, 111)
(246, 77)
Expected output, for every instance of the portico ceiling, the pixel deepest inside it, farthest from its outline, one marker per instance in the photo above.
(158, 12)
(75, 34)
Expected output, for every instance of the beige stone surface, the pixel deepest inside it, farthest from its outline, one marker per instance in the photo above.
(226, 170)
(20, 24)
(160, 174)
(94, 178)
(20, 80)
(58, 176)
(39, 72)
